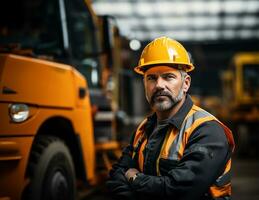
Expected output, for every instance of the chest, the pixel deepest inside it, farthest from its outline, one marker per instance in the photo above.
(160, 147)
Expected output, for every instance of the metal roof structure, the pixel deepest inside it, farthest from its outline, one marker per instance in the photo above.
(185, 20)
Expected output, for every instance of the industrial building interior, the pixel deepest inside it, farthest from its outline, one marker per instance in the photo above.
(222, 40)
(213, 32)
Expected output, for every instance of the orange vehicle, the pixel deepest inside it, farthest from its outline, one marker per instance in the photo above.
(52, 55)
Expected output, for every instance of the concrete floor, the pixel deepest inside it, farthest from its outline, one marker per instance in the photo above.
(245, 181)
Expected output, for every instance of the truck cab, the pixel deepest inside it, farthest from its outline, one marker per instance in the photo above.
(52, 57)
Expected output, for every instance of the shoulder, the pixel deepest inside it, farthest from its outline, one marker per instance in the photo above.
(210, 131)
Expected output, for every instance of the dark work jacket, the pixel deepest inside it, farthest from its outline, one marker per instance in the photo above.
(192, 175)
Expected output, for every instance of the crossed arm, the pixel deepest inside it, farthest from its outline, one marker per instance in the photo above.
(203, 161)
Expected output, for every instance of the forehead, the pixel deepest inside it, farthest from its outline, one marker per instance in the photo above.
(161, 70)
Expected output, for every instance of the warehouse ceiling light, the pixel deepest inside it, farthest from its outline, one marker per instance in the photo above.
(135, 44)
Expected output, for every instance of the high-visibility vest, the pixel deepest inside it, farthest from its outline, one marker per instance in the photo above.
(174, 145)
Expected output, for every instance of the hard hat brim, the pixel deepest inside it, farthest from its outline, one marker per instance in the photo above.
(140, 69)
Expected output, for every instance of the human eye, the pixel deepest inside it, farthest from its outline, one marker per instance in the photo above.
(169, 76)
(151, 77)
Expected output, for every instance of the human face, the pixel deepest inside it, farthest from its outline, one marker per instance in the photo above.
(165, 87)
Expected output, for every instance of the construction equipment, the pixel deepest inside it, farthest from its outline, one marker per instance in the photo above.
(241, 101)
(54, 56)
(238, 105)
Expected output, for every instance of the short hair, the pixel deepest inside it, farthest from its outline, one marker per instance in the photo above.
(183, 73)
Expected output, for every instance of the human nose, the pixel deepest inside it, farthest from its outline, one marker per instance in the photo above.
(160, 83)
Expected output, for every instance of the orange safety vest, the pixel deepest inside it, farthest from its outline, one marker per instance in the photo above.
(176, 140)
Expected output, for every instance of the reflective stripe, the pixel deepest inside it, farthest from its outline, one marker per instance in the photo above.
(174, 145)
(141, 155)
(229, 136)
(222, 191)
(170, 136)
(228, 167)
(178, 145)
(139, 130)
(222, 186)
(139, 138)
(223, 180)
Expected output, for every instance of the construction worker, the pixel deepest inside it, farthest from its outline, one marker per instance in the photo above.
(180, 151)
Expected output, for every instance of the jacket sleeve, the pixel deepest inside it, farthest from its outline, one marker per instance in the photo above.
(117, 184)
(125, 161)
(205, 156)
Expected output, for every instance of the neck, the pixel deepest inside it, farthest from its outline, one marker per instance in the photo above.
(163, 115)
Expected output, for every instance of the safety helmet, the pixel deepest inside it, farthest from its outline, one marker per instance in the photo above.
(164, 51)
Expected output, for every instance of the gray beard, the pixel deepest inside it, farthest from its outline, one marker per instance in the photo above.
(169, 104)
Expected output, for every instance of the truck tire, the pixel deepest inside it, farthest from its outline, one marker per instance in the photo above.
(51, 171)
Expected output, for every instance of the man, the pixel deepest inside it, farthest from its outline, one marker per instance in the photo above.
(180, 151)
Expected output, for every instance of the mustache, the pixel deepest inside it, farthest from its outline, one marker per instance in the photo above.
(161, 93)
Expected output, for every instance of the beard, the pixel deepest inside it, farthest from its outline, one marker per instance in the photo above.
(164, 100)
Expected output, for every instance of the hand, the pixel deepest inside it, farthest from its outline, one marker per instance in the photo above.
(119, 188)
(131, 172)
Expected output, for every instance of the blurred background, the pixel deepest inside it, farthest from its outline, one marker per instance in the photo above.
(222, 37)
(49, 50)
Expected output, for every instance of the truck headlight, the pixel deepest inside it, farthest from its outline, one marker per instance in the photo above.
(19, 112)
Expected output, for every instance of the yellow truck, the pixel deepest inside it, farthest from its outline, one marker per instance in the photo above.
(238, 104)
(52, 55)
(241, 101)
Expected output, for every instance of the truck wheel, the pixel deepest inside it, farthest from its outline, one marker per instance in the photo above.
(51, 171)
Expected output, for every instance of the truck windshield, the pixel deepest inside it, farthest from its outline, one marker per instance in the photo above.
(31, 24)
(251, 80)
(58, 30)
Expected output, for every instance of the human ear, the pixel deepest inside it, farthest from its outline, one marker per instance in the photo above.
(186, 83)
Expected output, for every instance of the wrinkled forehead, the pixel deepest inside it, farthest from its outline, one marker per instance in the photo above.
(160, 70)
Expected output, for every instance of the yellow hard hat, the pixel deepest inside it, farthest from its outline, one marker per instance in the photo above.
(164, 51)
